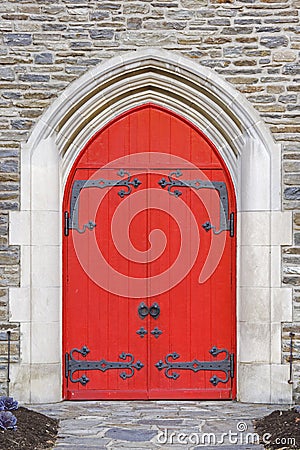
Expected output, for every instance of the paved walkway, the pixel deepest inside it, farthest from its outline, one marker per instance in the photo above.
(169, 425)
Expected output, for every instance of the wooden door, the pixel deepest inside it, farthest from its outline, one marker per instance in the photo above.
(149, 264)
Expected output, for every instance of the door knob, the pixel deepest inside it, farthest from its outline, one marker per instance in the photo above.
(143, 310)
(154, 310)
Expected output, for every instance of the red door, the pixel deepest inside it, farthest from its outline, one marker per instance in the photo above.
(149, 264)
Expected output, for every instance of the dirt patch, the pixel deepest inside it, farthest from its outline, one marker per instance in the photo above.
(34, 431)
(279, 430)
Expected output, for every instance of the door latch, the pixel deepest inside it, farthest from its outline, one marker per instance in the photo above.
(154, 310)
(143, 310)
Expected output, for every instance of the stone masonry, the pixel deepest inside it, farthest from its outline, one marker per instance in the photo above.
(47, 44)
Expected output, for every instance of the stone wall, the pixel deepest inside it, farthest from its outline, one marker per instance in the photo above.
(47, 44)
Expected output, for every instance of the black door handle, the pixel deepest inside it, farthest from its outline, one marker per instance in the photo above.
(143, 310)
(154, 310)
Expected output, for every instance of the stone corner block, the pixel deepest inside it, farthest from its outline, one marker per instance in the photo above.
(20, 382)
(281, 228)
(254, 383)
(281, 304)
(19, 228)
(46, 383)
(281, 390)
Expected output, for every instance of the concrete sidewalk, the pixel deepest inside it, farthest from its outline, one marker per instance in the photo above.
(168, 425)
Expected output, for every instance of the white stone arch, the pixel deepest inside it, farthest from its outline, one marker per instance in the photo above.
(253, 159)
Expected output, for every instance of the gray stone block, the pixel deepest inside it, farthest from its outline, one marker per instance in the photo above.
(133, 435)
(109, 6)
(291, 98)
(18, 39)
(54, 27)
(11, 165)
(99, 15)
(274, 41)
(134, 23)
(34, 77)
(292, 193)
(6, 74)
(43, 58)
(21, 124)
(267, 29)
(291, 69)
(10, 95)
(101, 34)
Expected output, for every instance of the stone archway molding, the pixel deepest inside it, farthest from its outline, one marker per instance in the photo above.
(253, 159)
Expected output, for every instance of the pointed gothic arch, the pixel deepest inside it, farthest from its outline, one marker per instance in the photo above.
(253, 160)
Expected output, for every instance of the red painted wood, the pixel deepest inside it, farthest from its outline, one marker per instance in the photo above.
(194, 317)
(221, 394)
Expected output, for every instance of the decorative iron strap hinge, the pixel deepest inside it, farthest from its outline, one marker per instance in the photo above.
(72, 221)
(226, 220)
(225, 365)
(73, 365)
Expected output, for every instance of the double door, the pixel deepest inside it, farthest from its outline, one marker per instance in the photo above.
(149, 284)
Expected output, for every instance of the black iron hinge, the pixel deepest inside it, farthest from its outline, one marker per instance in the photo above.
(226, 221)
(73, 365)
(226, 365)
(72, 219)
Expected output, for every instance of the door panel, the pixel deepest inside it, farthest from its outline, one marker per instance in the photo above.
(194, 316)
(104, 322)
(149, 235)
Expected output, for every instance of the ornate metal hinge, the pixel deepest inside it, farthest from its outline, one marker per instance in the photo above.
(226, 220)
(73, 365)
(225, 365)
(72, 221)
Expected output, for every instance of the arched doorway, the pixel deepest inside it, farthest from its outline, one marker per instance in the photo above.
(149, 263)
(253, 158)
